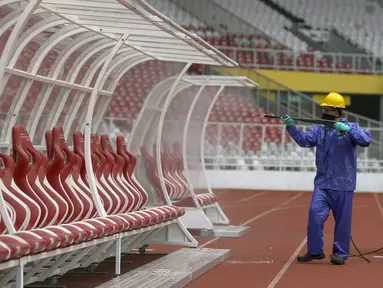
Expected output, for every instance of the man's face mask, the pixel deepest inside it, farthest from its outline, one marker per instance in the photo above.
(326, 116)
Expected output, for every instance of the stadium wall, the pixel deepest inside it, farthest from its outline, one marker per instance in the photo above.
(363, 93)
(283, 180)
(324, 82)
(317, 82)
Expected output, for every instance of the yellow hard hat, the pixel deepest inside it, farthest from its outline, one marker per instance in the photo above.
(333, 99)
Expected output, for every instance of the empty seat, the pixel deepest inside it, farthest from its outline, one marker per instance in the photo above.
(112, 191)
(128, 168)
(42, 218)
(175, 182)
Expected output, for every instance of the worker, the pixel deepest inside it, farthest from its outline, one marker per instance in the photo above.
(335, 180)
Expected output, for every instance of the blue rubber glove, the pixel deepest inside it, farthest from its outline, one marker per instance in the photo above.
(342, 127)
(288, 121)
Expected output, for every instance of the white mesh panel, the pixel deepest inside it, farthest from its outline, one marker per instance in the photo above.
(157, 80)
(172, 143)
(195, 141)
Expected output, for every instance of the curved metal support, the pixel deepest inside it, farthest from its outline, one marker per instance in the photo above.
(89, 75)
(10, 45)
(73, 74)
(7, 2)
(69, 50)
(34, 67)
(202, 146)
(88, 127)
(85, 56)
(159, 131)
(148, 99)
(54, 73)
(185, 136)
(126, 69)
(86, 81)
(11, 19)
(156, 106)
(31, 33)
(214, 213)
(60, 35)
(68, 122)
(138, 58)
(131, 62)
(119, 64)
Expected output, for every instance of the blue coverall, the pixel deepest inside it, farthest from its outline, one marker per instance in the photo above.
(335, 182)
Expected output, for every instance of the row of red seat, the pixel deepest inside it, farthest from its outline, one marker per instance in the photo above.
(50, 204)
(175, 182)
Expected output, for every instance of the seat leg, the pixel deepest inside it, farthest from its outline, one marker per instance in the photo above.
(20, 276)
(118, 256)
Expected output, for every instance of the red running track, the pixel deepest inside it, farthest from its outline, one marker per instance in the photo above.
(266, 256)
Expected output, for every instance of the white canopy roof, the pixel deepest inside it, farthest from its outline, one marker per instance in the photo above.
(141, 27)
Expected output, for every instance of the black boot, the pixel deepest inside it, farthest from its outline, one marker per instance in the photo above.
(337, 260)
(308, 258)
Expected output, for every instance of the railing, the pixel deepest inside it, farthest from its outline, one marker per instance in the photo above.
(238, 146)
(249, 146)
(304, 61)
(280, 164)
(279, 99)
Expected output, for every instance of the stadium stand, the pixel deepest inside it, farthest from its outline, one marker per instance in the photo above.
(358, 21)
(268, 44)
(249, 10)
(227, 41)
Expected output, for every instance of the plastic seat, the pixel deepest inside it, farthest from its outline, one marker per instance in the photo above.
(128, 168)
(26, 241)
(67, 164)
(120, 199)
(142, 218)
(78, 147)
(116, 173)
(28, 163)
(59, 172)
(171, 164)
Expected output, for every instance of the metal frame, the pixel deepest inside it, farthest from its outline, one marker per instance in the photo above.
(116, 35)
(371, 156)
(148, 31)
(195, 217)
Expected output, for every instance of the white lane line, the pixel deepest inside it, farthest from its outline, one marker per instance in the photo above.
(287, 265)
(249, 262)
(271, 210)
(300, 247)
(258, 216)
(227, 203)
(253, 196)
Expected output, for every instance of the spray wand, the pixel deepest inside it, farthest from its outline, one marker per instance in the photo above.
(315, 121)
